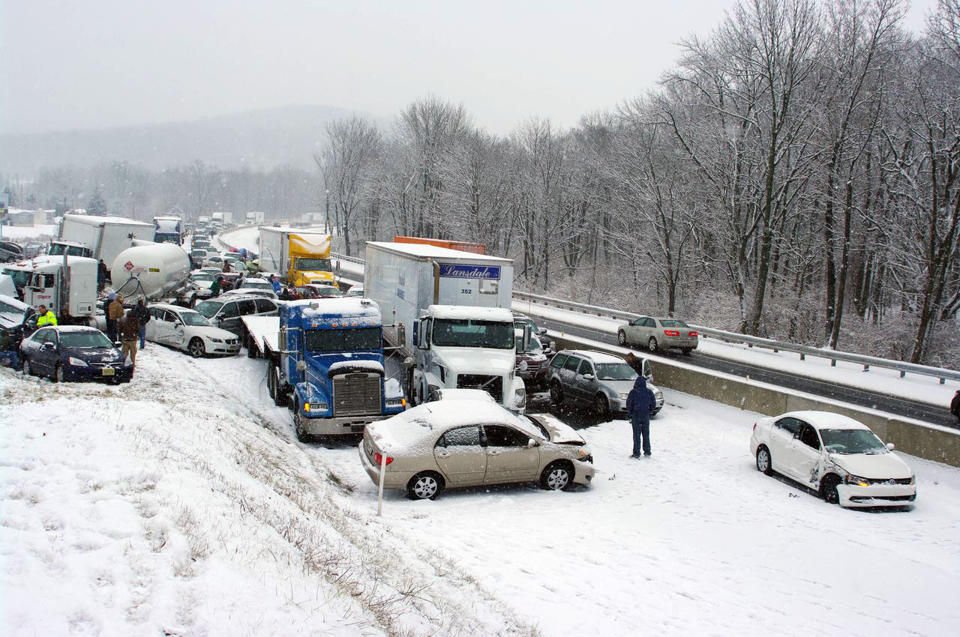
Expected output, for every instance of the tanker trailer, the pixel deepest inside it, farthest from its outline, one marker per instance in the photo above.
(153, 271)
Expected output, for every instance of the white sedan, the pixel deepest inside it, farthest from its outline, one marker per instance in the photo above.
(836, 456)
(190, 331)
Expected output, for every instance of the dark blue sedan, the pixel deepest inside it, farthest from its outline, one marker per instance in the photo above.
(74, 353)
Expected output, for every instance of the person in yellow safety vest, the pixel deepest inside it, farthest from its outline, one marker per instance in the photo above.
(45, 317)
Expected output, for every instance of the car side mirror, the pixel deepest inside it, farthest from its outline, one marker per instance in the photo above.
(891, 446)
(46, 347)
(531, 443)
(588, 377)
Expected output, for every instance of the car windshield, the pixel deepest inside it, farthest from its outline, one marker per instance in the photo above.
(194, 319)
(84, 340)
(533, 345)
(343, 340)
(672, 323)
(259, 285)
(208, 308)
(536, 425)
(313, 264)
(615, 371)
(471, 333)
(850, 441)
(202, 276)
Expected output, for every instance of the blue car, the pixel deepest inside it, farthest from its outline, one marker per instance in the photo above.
(74, 353)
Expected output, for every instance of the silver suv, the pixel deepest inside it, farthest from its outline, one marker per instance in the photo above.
(595, 380)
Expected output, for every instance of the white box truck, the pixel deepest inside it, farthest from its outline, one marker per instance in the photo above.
(99, 237)
(299, 256)
(449, 312)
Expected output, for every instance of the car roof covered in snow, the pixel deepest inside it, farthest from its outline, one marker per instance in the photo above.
(596, 357)
(826, 419)
(464, 312)
(427, 422)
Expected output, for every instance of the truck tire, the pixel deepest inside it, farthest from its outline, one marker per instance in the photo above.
(279, 398)
(298, 425)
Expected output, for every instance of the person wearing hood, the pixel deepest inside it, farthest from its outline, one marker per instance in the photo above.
(640, 402)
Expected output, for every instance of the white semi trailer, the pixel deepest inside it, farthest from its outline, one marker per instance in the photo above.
(99, 237)
(449, 312)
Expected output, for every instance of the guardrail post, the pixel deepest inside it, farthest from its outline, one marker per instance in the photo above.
(803, 356)
(866, 368)
(833, 362)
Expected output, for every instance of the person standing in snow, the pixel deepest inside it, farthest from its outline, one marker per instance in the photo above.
(129, 333)
(45, 316)
(143, 315)
(114, 314)
(640, 401)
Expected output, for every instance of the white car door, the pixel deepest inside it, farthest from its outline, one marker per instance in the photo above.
(803, 456)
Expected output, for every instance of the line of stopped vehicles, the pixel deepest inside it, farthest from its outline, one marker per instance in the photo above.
(394, 359)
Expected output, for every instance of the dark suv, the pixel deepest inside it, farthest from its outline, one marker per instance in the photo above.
(595, 380)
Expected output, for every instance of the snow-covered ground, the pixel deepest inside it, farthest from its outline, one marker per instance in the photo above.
(183, 504)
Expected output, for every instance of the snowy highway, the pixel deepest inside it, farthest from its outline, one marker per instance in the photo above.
(183, 503)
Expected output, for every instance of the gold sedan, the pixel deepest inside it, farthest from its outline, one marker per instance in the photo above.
(449, 443)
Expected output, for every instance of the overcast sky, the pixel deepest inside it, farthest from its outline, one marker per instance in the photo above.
(101, 63)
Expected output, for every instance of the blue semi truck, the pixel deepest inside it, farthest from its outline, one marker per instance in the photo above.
(326, 363)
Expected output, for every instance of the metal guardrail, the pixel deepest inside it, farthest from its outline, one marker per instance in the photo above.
(753, 341)
(750, 341)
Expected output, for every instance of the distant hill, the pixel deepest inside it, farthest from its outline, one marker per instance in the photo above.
(257, 140)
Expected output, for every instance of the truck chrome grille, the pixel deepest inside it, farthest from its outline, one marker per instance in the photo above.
(356, 394)
(493, 385)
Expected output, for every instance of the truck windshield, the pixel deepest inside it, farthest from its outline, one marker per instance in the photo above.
(73, 251)
(343, 340)
(316, 265)
(20, 277)
(471, 333)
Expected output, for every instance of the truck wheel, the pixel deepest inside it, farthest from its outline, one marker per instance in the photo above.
(279, 398)
(298, 425)
(271, 390)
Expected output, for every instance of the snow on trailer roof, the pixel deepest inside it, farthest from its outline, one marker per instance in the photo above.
(99, 221)
(468, 312)
(427, 251)
(337, 306)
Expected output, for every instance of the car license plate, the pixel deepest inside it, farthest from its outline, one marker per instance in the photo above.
(109, 371)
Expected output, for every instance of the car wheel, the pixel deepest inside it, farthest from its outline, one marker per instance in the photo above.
(424, 486)
(25, 366)
(196, 347)
(652, 344)
(622, 338)
(57, 374)
(764, 463)
(279, 398)
(601, 408)
(828, 489)
(687, 350)
(299, 425)
(556, 393)
(557, 476)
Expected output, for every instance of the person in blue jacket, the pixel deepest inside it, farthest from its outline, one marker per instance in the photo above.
(640, 402)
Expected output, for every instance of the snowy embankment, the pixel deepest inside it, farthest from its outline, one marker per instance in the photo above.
(183, 504)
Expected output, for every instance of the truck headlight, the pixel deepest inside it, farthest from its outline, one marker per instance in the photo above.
(396, 402)
(76, 362)
(520, 397)
(522, 367)
(308, 407)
